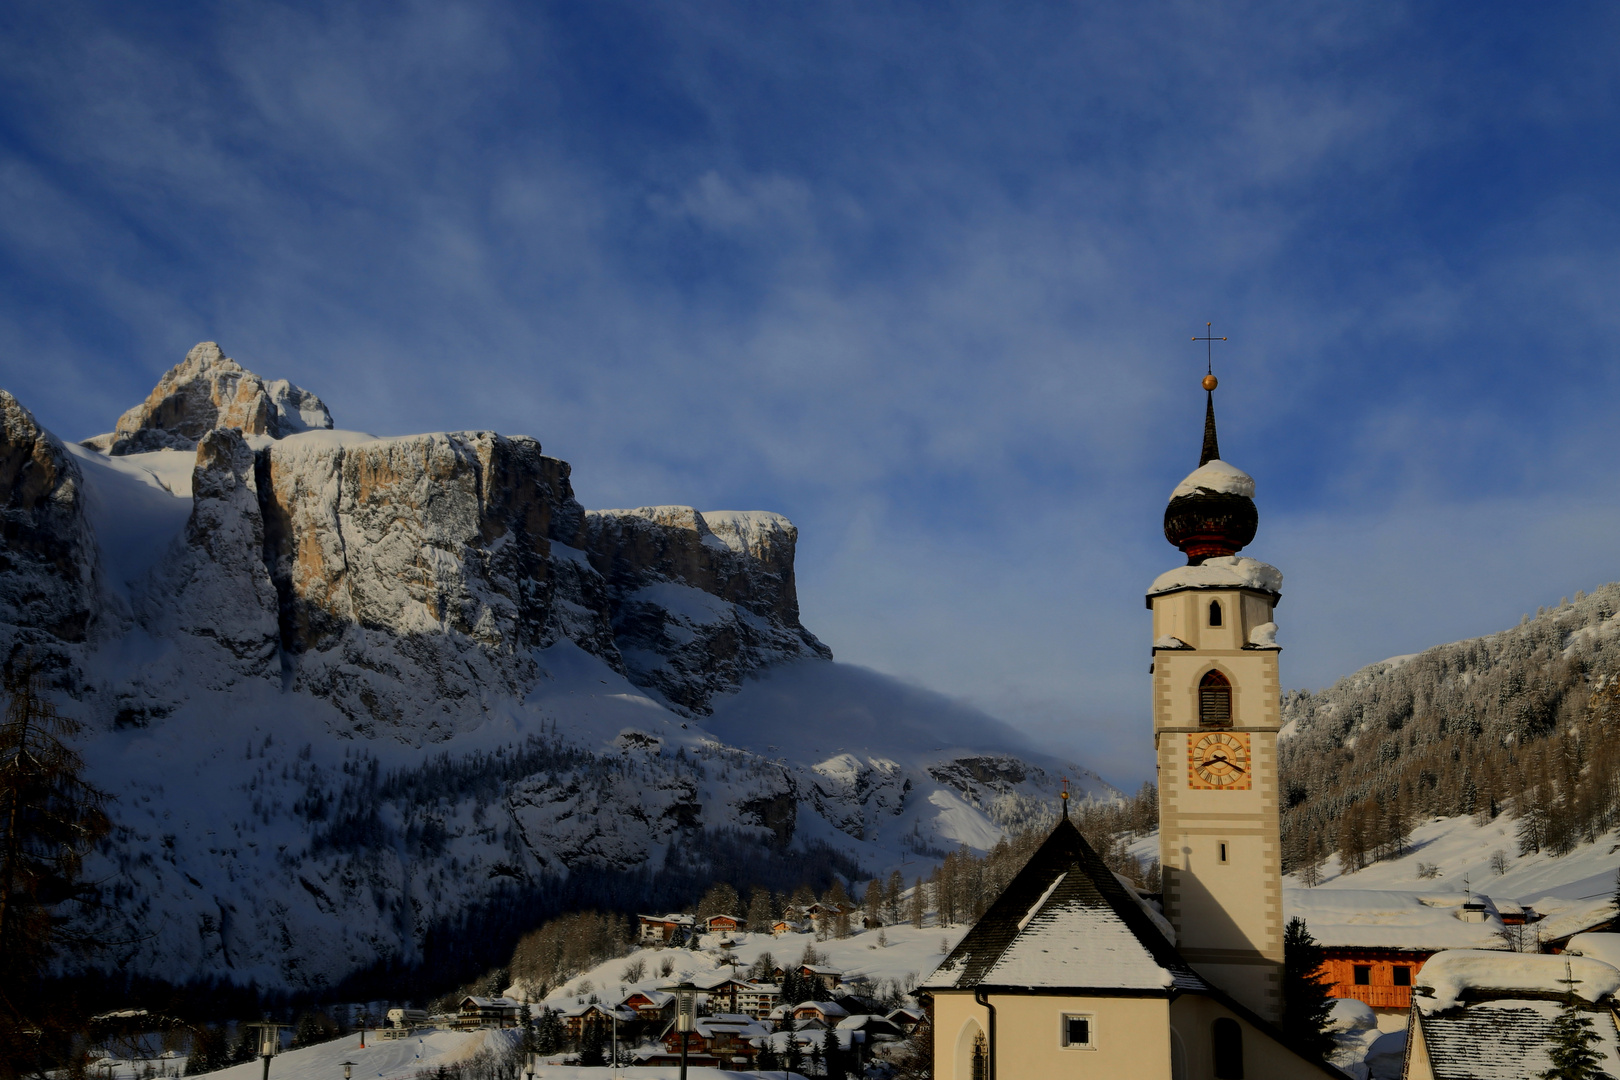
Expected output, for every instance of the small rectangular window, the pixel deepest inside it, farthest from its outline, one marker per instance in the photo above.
(1403, 975)
(1077, 1031)
(1363, 974)
(1223, 851)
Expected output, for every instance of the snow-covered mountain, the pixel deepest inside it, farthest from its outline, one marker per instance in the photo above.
(364, 700)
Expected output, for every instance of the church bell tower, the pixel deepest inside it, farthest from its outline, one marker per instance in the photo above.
(1215, 720)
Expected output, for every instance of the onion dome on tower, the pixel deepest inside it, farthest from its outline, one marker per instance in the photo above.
(1212, 512)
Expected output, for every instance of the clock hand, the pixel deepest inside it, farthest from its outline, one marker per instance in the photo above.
(1228, 762)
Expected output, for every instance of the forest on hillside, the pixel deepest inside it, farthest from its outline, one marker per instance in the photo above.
(1522, 722)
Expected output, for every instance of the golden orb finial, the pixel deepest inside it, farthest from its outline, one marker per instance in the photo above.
(1211, 382)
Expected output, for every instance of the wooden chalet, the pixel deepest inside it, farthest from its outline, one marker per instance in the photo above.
(724, 1040)
(1374, 941)
(485, 1012)
(722, 924)
(662, 929)
(651, 1005)
(576, 1020)
(825, 1013)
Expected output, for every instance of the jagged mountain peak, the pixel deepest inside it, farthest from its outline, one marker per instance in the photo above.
(209, 390)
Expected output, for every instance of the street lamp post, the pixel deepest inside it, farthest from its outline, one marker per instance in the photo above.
(269, 1042)
(348, 1070)
(685, 1012)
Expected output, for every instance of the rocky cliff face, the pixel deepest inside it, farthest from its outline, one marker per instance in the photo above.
(332, 673)
(48, 558)
(698, 600)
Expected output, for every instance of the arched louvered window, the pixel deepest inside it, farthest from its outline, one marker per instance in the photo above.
(1214, 701)
(1226, 1038)
(1214, 613)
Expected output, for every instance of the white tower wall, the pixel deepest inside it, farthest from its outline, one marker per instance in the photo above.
(1227, 913)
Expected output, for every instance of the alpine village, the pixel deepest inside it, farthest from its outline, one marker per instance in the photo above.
(320, 872)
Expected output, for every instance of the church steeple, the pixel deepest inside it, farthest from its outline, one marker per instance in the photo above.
(1212, 448)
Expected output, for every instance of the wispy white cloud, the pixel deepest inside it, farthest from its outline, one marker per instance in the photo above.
(922, 280)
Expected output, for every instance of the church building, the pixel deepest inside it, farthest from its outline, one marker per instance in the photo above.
(1071, 972)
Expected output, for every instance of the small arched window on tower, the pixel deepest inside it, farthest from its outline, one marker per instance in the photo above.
(1214, 700)
(981, 1058)
(1215, 613)
(1227, 1042)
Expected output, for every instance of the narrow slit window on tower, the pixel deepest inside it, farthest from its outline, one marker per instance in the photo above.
(1214, 701)
(1223, 851)
(1214, 613)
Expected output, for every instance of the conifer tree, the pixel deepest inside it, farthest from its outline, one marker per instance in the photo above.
(891, 897)
(793, 1060)
(591, 1054)
(50, 819)
(760, 913)
(1570, 1054)
(916, 911)
(1306, 1003)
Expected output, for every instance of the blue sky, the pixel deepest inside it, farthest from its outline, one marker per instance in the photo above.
(921, 277)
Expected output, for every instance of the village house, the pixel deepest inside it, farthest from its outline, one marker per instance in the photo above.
(651, 1005)
(785, 926)
(757, 999)
(831, 981)
(576, 1020)
(1374, 941)
(1480, 1013)
(905, 1019)
(820, 1013)
(722, 924)
(724, 1040)
(485, 1012)
(662, 929)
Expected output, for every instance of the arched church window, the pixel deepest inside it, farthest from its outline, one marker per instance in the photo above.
(1226, 1038)
(980, 1058)
(1214, 701)
(1214, 613)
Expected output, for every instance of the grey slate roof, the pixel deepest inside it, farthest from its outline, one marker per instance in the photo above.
(1065, 922)
(1505, 1039)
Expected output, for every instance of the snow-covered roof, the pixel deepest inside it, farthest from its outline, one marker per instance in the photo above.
(1386, 919)
(1504, 1040)
(1065, 922)
(1457, 974)
(828, 1009)
(744, 1027)
(1216, 477)
(492, 1003)
(1604, 947)
(657, 998)
(1221, 572)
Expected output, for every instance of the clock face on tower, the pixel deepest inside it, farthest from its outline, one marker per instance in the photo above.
(1219, 761)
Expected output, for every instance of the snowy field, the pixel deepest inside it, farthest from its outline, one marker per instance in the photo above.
(401, 1059)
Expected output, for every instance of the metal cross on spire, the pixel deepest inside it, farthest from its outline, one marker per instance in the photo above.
(1209, 360)
(1212, 447)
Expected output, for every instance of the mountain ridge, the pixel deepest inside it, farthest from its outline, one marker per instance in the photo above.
(366, 702)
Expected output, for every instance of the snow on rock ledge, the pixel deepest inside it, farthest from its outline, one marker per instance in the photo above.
(1216, 478)
(1450, 975)
(1221, 572)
